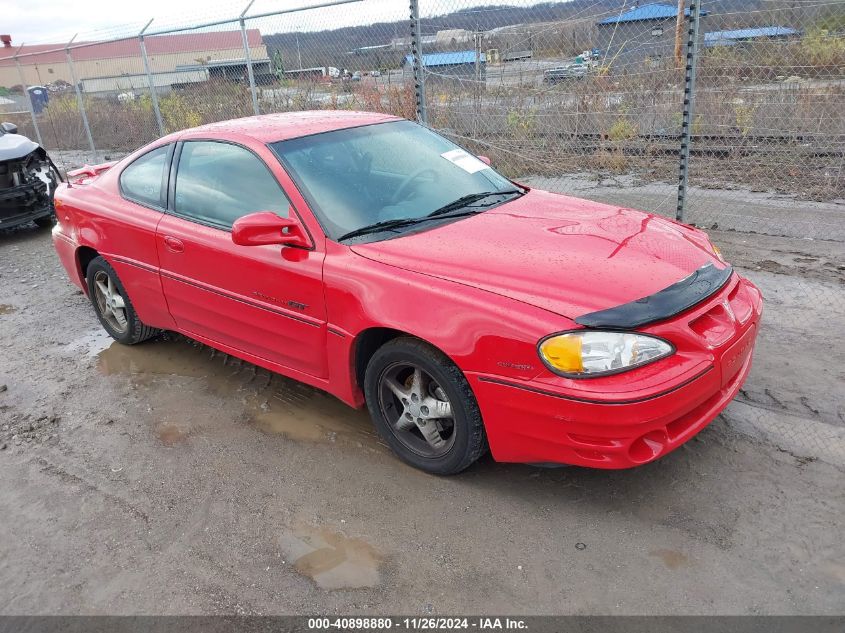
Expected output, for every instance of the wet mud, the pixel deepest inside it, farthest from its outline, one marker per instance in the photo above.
(271, 403)
(331, 559)
(167, 478)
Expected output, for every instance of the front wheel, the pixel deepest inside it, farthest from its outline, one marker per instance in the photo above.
(423, 407)
(112, 305)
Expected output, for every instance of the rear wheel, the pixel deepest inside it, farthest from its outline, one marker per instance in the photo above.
(112, 305)
(423, 407)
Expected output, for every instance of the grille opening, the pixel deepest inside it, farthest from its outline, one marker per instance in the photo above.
(740, 303)
(715, 326)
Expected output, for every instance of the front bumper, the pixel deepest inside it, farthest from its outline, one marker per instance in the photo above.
(19, 205)
(22, 216)
(541, 421)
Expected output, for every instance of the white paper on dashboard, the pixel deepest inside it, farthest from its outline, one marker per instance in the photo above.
(465, 160)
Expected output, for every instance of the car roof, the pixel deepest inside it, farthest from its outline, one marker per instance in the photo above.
(269, 128)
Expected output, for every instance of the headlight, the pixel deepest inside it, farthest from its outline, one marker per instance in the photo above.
(588, 353)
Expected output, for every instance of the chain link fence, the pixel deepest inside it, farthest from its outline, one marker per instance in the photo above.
(88, 101)
(729, 114)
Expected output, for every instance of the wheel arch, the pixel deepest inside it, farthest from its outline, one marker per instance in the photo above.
(472, 443)
(84, 256)
(365, 345)
(368, 341)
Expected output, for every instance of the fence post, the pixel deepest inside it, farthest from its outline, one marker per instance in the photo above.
(478, 43)
(248, 58)
(689, 102)
(28, 99)
(80, 102)
(416, 52)
(153, 94)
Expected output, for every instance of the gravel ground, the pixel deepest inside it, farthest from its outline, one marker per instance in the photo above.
(167, 478)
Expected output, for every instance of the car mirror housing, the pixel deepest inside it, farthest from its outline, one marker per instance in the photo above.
(265, 227)
(484, 159)
(9, 128)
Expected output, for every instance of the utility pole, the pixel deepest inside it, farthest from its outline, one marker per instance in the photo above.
(679, 35)
(298, 53)
(478, 36)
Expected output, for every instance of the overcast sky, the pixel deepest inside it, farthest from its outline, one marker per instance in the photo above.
(56, 21)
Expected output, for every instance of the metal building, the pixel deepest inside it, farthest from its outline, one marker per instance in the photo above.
(644, 33)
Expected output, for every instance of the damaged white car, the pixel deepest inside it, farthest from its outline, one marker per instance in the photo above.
(28, 180)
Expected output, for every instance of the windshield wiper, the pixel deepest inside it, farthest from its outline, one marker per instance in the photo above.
(384, 225)
(466, 201)
(461, 203)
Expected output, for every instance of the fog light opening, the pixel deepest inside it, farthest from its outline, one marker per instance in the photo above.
(648, 447)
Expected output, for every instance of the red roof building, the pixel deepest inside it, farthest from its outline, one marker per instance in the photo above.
(47, 63)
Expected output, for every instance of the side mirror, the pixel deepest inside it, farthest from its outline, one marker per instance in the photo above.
(9, 128)
(484, 159)
(265, 227)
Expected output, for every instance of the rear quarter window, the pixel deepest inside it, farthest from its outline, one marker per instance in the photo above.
(142, 180)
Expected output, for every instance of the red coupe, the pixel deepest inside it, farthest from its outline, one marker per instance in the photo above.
(370, 257)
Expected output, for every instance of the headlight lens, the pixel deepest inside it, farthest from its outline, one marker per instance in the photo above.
(587, 353)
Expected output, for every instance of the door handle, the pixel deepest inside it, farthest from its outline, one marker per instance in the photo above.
(173, 245)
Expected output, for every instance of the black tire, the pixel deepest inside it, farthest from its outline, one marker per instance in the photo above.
(467, 440)
(134, 330)
(46, 221)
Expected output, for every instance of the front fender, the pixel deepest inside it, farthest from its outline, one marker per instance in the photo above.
(478, 330)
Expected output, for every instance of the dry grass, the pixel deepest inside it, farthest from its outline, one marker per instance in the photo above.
(771, 136)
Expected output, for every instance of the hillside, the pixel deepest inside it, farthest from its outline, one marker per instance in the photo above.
(333, 47)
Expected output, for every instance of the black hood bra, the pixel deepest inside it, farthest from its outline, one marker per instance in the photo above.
(663, 304)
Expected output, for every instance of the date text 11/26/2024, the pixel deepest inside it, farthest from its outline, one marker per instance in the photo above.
(423, 623)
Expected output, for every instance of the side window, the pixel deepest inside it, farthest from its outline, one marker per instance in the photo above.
(216, 183)
(141, 180)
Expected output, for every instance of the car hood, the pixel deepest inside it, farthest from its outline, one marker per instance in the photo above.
(14, 146)
(562, 254)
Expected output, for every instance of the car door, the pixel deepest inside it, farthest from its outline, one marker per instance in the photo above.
(127, 232)
(266, 300)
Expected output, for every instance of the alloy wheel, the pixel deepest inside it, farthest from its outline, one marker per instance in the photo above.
(110, 303)
(417, 409)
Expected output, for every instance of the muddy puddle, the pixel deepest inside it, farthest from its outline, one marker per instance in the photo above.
(834, 570)
(673, 559)
(177, 372)
(158, 360)
(7, 309)
(89, 345)
(171, 434)
(319, 419)
(331, 559)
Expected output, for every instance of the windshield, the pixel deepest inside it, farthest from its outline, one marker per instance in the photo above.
(385, 174)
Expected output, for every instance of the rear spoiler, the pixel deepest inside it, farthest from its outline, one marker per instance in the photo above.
(88, 171)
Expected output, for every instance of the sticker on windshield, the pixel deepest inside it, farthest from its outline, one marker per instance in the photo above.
(465, 160)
